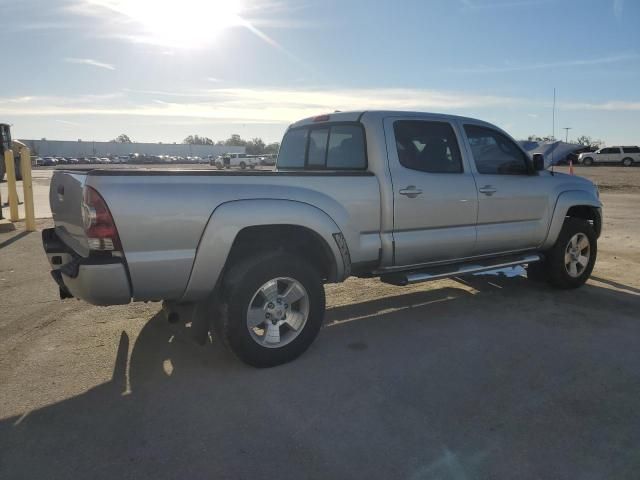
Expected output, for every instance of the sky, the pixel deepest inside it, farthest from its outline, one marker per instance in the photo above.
(160, 71)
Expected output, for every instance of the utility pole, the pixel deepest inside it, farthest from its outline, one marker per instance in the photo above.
(566, 137)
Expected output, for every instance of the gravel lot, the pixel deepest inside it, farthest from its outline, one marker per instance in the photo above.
(487, 377)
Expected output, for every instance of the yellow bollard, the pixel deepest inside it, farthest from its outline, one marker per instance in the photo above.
(11, 185)
(27, 187)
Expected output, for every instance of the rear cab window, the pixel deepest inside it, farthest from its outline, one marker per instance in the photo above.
(339, 146)
(631, 149)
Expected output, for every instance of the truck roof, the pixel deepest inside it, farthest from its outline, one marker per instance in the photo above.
(356, 116)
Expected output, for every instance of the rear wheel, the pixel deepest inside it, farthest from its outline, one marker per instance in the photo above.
(587, 162)
(569, 263)
(627, 162)
(272, 309)
(243, 165)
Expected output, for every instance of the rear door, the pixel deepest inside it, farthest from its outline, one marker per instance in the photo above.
(434, 193)
(514, 205)
(602, 155)
(614, 154)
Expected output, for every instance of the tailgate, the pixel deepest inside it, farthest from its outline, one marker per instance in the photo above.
(65, 198)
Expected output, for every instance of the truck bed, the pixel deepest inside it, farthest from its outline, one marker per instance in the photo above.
(161, 214)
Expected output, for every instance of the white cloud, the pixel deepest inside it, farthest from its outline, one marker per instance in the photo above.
(623, 57)
(277, 106)
(91, 62)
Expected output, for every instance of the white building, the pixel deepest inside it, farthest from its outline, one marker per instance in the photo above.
(65, 148)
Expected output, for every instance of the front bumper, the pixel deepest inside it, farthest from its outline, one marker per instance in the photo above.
(99, 280)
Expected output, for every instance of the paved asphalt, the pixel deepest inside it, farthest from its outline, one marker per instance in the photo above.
(491, 377)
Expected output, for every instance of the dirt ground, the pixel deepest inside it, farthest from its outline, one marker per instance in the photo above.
(489, 376)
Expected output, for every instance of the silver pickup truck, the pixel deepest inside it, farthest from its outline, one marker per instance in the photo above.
(403, 196)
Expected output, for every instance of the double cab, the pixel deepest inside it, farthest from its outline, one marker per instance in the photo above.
(403, 196)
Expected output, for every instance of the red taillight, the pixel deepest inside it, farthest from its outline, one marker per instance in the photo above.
(98, 223)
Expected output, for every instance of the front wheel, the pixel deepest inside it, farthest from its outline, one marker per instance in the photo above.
(272, 308)
(243, 165)
(570, 261)
(587, 162)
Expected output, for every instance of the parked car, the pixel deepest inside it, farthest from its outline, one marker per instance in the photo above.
(61, 160)
(626, 156)
(73, 161)
(241, 160)
(49, 162)
(430, 196)
(105, 160)
(268, 160)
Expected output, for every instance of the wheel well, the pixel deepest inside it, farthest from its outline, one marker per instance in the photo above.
(287, 238)
(588, 213)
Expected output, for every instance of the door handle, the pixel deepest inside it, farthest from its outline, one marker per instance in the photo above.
(411, 191)
(487, 190)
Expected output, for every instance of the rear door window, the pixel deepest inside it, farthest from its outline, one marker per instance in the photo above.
(429, 147)
(631, 149)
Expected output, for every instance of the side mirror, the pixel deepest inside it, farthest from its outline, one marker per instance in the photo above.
(538, 162)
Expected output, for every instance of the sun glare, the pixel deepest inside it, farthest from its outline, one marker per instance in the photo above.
(183, 23)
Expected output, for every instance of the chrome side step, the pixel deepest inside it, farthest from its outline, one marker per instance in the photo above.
(453, 270)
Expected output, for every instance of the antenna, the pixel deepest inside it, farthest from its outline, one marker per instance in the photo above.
(566, 136)
(553, 116)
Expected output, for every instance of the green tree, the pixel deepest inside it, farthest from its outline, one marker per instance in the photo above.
(123, 138)
(589, 142)
(255, 146)
(272, 148)
(235, 140)
(197, 140)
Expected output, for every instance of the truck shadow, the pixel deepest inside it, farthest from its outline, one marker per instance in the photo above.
(430, 384)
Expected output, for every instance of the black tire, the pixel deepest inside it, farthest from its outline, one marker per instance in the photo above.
(627, 162)
(554, 270)
(587, 162)
(243, 165)
(240, 284)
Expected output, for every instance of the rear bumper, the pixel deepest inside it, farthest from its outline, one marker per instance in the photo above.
(100, 280)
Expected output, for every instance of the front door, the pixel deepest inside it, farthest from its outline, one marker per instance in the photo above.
(434, 193)
(514, 204)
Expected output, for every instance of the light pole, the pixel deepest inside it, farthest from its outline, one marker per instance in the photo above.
(566, 137)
